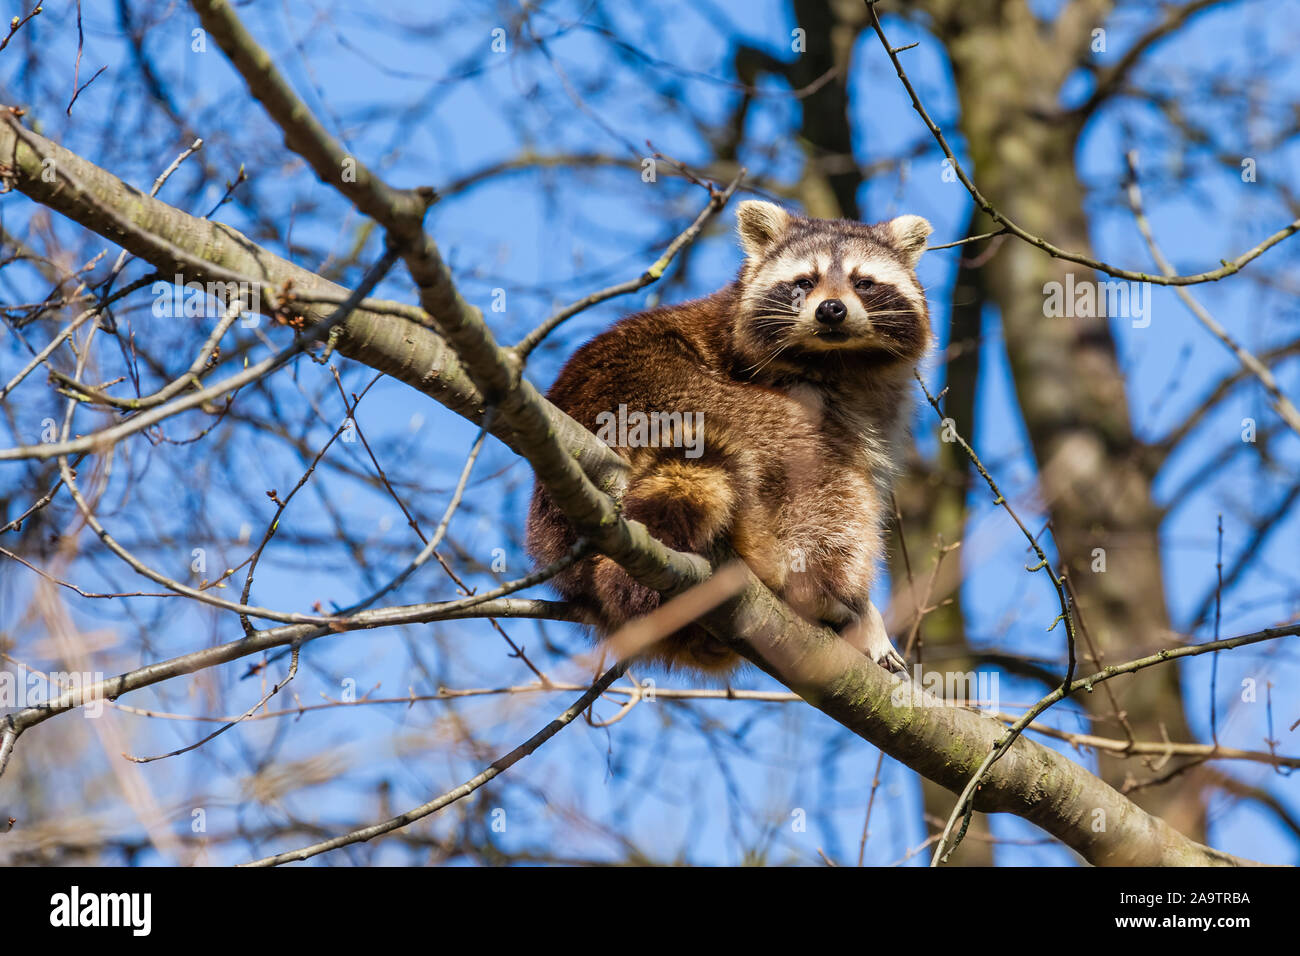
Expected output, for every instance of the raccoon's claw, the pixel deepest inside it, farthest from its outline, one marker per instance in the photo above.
(881, 650)
(893, 662)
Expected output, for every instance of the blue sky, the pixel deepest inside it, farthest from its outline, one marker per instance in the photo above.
(548, 238)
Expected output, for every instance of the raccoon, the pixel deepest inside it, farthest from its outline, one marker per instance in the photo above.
(770, 415)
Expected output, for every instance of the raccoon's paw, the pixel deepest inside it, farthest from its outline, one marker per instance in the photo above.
(868, 635)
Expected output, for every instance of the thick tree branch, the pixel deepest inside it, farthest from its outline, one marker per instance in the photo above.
(385, 336)
(495, 372)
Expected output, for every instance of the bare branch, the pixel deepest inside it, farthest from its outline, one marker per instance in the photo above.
(1229, 267)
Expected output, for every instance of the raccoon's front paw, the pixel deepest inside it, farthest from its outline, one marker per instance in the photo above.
(868, 635)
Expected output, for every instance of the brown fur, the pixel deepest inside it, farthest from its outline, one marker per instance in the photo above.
(802, 429)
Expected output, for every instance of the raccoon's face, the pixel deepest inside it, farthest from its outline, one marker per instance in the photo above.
(813, 288)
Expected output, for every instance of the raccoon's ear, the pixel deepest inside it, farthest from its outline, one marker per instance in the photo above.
(907, 235)
(759, 225)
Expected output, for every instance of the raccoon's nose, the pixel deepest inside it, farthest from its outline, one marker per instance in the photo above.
(831, 312)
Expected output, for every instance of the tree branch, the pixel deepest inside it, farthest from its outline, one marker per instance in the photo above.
(1109, 80)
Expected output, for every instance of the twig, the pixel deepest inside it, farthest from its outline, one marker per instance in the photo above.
(293, 670)
(965, 804)
(1214, 661)
(497, 768)
(1281, 404)
(625, 644)
(969, 239)
(1228, 268)
(16, 24)
(716, 201)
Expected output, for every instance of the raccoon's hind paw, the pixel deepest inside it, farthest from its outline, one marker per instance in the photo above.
(868, 634)
(892, 661)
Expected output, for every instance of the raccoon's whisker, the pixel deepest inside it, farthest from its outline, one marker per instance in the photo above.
(772, 357)
(759, 366)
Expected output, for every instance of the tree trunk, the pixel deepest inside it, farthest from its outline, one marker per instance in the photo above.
(1068, 383)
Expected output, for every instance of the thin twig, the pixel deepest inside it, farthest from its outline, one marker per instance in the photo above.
(1228, 268)
(16, 24)
(1285, 409)
(497, 768)
(716, 201)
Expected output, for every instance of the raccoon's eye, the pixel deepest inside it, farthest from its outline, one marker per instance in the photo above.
(862, 285)
(805, 284)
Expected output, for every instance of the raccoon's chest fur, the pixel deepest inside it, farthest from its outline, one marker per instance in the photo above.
(817, 539)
